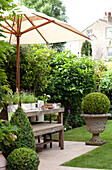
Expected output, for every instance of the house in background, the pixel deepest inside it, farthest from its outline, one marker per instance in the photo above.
(100, 34)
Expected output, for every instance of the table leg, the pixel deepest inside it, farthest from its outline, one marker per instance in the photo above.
(45, 139)
(61, 139)
(60, 118)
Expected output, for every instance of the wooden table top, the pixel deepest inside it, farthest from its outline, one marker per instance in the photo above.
(35, 112)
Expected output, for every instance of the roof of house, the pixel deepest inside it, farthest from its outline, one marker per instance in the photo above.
(109, 23)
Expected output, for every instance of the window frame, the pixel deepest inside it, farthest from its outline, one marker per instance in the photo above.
(90, 35)
(110, 34)
(110, 47)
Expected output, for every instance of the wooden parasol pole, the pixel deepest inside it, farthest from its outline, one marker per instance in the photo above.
(18, 71)
(18, 63)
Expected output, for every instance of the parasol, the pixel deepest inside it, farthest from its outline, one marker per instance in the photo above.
(31, 27)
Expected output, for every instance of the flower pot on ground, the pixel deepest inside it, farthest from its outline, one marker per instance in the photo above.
(95, 107)
(2, 161)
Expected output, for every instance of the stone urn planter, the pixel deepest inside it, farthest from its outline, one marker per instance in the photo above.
(2, 162)
(95, 107)
(96, 124)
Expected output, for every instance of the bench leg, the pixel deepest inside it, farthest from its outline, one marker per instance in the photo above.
(61, 139)
(45, 139)
(50, 140)
(38, 139)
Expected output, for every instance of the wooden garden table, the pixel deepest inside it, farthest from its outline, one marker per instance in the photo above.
(46, 129)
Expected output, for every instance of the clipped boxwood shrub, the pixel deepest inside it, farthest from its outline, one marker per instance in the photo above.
(25, 135)
(22, 158)
(95, 103)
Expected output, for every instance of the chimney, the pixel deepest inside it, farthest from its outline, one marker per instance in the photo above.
(109, 14)
(105, 14)
(108, 17)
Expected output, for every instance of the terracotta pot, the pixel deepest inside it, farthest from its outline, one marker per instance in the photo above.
(2, 162)
(96, 124)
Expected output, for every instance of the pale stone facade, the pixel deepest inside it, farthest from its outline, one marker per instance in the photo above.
(100, 34)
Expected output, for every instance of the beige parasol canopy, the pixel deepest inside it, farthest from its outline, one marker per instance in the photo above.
(37, 28)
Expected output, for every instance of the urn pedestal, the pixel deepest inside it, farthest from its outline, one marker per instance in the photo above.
(96, 124)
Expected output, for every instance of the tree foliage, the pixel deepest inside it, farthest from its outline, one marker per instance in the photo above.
(53, 8)
(4, 5)
(86, 49)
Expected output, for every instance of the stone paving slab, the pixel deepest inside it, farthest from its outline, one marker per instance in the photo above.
(52, 158)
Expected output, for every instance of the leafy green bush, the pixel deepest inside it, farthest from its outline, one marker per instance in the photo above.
(28, 97)
(105, 85)
(34, 62)
(71, 79)
(22, 158)
(106, 82)
(14, 98)
(95, 103)
(6, 134)
(25, 97)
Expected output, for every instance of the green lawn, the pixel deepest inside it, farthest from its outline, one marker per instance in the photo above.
(99, 158)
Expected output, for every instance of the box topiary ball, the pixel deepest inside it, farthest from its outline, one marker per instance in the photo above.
(95, 103)
(22, 158)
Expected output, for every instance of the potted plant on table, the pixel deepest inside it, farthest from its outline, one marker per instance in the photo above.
(95, 107)
(6, 138)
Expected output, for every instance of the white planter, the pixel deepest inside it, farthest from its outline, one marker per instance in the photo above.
(12, 108)
(25, 106)
(33, 106)
(2, 162)
(28, 106)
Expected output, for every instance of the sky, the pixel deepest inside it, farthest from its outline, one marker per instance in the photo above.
(83, 13)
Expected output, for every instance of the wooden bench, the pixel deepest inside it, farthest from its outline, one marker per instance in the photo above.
(43, 131)
(46, 130)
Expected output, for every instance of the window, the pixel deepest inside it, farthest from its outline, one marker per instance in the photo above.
(89, 33)
(109, 51)
(109, 33)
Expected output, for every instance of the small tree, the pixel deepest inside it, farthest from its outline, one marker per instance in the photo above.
(86, 49)
(25, 135)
